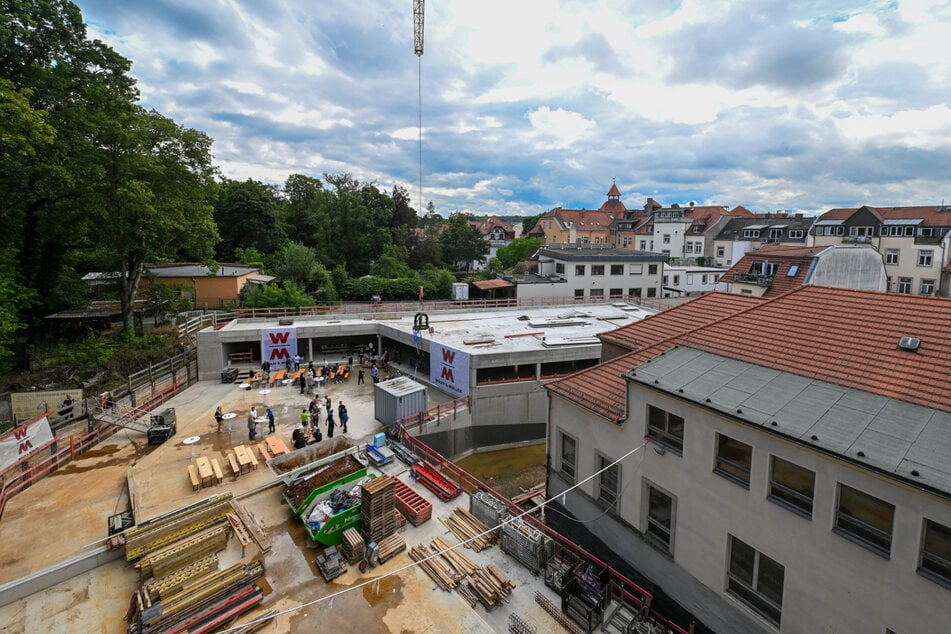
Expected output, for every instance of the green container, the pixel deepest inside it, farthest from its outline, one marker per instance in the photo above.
(355, 475)
(331, 531)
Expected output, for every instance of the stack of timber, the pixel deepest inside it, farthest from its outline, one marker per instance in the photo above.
(414, 507)
(252, 525)
(170, 527)
(377, 503)
(438, 569)
(429, 476)
(487, 585)
(203, 604)
(389, 547)
(467, 527)
(353, 547)
(160, 562)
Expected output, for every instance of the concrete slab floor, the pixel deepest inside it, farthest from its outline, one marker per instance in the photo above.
(82, 499)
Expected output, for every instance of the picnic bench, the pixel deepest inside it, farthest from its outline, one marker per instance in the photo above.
(264, 454)
(193, 476)
(278, 376)
(244, 458)
(216, 468)
(205, 472)
(276, 446)
(235, 469)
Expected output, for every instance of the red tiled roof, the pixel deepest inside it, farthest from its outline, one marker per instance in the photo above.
(741, 212)
(614, 191)
(583, 218)
(614, 206)
(846, 337)
(497, 282)
(931, 214)
(602, 389)
(787, 256)
(842, 336)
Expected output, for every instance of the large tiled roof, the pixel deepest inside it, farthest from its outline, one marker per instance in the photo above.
(601, 388)
(935, 215)
(787, 257)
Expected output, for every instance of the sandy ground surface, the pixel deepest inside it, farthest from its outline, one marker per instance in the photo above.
(65, 515)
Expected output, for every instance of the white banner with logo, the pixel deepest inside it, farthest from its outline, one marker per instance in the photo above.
(449, 369)
(278, 345)
(21, 441)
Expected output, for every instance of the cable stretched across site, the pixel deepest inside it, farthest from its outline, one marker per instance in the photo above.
(415, 564)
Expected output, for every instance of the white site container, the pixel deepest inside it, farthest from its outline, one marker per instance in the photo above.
(398, 398)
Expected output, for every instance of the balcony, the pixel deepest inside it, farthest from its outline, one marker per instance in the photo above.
(752, 278)
(856, 239)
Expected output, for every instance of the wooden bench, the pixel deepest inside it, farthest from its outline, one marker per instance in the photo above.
(254, 461)
(276, 446)
(217, 469)
(278, 376)
(193, 476)
(235, 469)
(264, 454)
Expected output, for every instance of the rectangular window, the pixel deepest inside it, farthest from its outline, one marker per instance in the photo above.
(660, 518)
(936, 553)
(775, 234)
(560, 268)
(666, 238)
(891, 256)
(616, 292)
(927, 287)
(795, 234)
(596, 292)
(791, 486)
(698, 248)
(626, 242)
(652, 292)
(617, 269)
(652, 269)
(688, 247)
(926, 232)
(597, 269)
(608, 482)
(569, 447)
(733, 460)
(904, 285)
(634, 292)
(597, 240)
(579, 269)
(579, 293)
(865, 520)
(756, 580)
(643, 245)
(637, 269)
(665, 428)
(751, 233)
(721, 251)
(925, 257)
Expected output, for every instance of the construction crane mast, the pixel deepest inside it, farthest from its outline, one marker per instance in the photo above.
(419, 8)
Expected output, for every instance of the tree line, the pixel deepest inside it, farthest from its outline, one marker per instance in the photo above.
(92, 181)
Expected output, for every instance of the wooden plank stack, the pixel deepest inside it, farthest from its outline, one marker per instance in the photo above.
(489, 586)
(166, 529)
(353, 547)
(414, 507)
(377, 503)
(449, 568)
(438, 569)
(254, 527)
(178, 554)
(467, 527)
(388, 547)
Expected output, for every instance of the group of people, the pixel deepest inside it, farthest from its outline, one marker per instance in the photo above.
(310, 418)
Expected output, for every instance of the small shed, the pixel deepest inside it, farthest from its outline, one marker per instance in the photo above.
(398, 398)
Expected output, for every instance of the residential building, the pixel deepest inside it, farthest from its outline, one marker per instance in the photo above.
(915, 242)
(782, 464)
(592, 271)
(496, 232)
(581, 226)
(207, 288)
(739, 236)
(682, 280)
(774, 269)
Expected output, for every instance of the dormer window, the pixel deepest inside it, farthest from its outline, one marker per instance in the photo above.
(751, 233)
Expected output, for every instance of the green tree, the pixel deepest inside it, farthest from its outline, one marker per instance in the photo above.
(274, 295)
(528, 223)
(392, 264)
(22, 129)
(301, 217)
(296, 263)
(461, 243)
(516, 251)
(246, 215)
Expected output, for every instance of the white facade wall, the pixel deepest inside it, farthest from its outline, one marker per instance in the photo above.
(579, 277)
(831, 584)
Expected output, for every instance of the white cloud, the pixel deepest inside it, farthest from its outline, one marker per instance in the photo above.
(559, 129)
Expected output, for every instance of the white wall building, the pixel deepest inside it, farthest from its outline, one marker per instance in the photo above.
(592, 271)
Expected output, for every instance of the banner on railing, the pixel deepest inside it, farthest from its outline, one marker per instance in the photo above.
(449, 369)
(278, 345)
(20, 442)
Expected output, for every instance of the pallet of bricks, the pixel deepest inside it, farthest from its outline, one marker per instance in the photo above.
(489, 509)
(414, 507)
(377, 516)
(528, 545)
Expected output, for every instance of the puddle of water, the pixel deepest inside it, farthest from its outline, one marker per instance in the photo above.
(385, 593)
(508, 470)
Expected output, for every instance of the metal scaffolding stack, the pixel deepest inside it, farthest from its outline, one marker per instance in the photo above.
(489, 509)
(377, 503)
(526, 544)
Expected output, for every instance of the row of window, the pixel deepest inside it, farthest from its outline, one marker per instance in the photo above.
(615, 269)
(925, 256)
(885, 231)
(705, 278)
(906, 285)
(775, 234)
(752, 577)
(859, 517)
(616, 292)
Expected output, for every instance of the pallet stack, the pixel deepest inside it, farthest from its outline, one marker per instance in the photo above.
(377, 503)
(414, 507)
(389, 547)
(353, 547)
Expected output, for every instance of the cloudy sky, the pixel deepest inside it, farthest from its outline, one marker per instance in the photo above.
(529, 104)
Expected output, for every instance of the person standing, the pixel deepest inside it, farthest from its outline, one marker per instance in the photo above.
(254, 411)
(375, 373)
(252, 431)
(343, 416)
(304, 418)
(330, 422)
(270, 421)
(296, 362)
(360, 377)
(303, 382)
(219, 418)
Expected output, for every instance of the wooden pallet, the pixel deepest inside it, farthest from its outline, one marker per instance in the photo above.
(390, 546)
(353, 547)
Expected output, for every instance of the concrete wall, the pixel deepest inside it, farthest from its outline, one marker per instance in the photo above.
(831, 583)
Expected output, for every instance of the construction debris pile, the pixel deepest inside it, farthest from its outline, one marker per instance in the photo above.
(176, 555)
